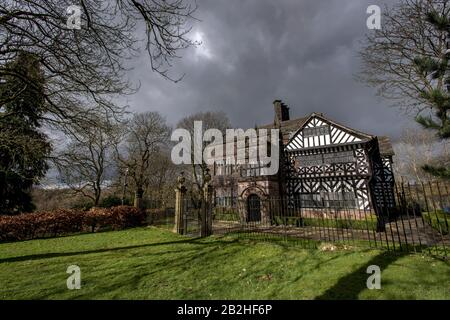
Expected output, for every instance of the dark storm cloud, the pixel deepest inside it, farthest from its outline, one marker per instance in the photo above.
(301, 51)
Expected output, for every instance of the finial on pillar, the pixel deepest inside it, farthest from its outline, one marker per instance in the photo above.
(207, 177)
(181, 180)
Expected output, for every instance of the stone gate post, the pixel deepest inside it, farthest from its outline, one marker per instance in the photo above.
(180, 193)
(206, 228)
(138, 198)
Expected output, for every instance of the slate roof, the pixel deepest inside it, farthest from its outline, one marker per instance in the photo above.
(385, 145)
(287, 127)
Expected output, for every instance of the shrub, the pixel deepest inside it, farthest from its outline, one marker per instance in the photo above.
(112, 201)
(41, 224)
(82, 205)
(97, 218)
(127, 217)
(61, 222)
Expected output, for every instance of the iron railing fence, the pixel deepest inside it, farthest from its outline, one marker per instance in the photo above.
(162, 217)
(418, 222)
(165, 218)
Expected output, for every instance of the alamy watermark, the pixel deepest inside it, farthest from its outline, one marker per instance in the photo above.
(74, 19)
(374, 20)
(374, 281)
(74, 280)
(250, 147)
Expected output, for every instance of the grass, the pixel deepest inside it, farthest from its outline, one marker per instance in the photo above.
(226, 214)
(150, 263)
(438, 221)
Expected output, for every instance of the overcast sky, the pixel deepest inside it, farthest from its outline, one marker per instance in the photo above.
(255, 51)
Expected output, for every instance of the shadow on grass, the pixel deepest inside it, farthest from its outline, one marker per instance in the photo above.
(196, 241)
(351, 285)
(220, 239)
(177, 262)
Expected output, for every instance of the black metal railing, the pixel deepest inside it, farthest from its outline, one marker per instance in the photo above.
(419, 222)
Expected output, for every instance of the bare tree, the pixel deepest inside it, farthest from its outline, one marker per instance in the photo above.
(85, 68)
(210, 120)
(86, 162)
(162, 177)
(415, 149)
(145, 135)
(408, 60)
(391, 55)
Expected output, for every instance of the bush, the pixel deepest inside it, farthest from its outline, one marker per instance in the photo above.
(82, 205)
(97, 219)
(126, 217)
(61, 222)
(113, 201)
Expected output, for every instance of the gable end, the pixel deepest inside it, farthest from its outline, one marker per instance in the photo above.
(318, 131)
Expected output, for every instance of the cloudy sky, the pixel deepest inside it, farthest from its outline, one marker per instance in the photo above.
(255, 51)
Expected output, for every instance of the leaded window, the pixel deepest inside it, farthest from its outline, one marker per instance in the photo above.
(224, 169)
(339, 199)
(339, 157)
(326, 199)
(316, 131)
(310, 200)
(326, 158)
(310, 160)
(225, 202)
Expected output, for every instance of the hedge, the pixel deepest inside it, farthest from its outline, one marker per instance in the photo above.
(61, 222)
(369, 224)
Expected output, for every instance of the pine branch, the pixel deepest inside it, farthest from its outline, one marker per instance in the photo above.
(427, 122)
(441, 22)
(440, 172)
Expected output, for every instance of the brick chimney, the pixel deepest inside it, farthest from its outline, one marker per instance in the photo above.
(281, 112)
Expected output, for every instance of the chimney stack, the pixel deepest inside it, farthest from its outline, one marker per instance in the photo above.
(281, 112)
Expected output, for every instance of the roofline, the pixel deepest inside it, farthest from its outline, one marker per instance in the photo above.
(321, 116)
(329, 146)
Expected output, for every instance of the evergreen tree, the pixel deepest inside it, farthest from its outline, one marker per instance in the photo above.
(439, 96)
(23, 147)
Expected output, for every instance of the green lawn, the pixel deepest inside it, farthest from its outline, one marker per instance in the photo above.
(150, 263)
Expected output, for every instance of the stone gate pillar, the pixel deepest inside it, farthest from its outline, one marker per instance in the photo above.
(138, 198)
(206, 228)
(180, 194)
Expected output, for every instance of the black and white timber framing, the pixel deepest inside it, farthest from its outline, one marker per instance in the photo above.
(323, 164)
(330, 164)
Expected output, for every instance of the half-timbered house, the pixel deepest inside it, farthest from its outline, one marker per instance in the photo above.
(323, 164)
